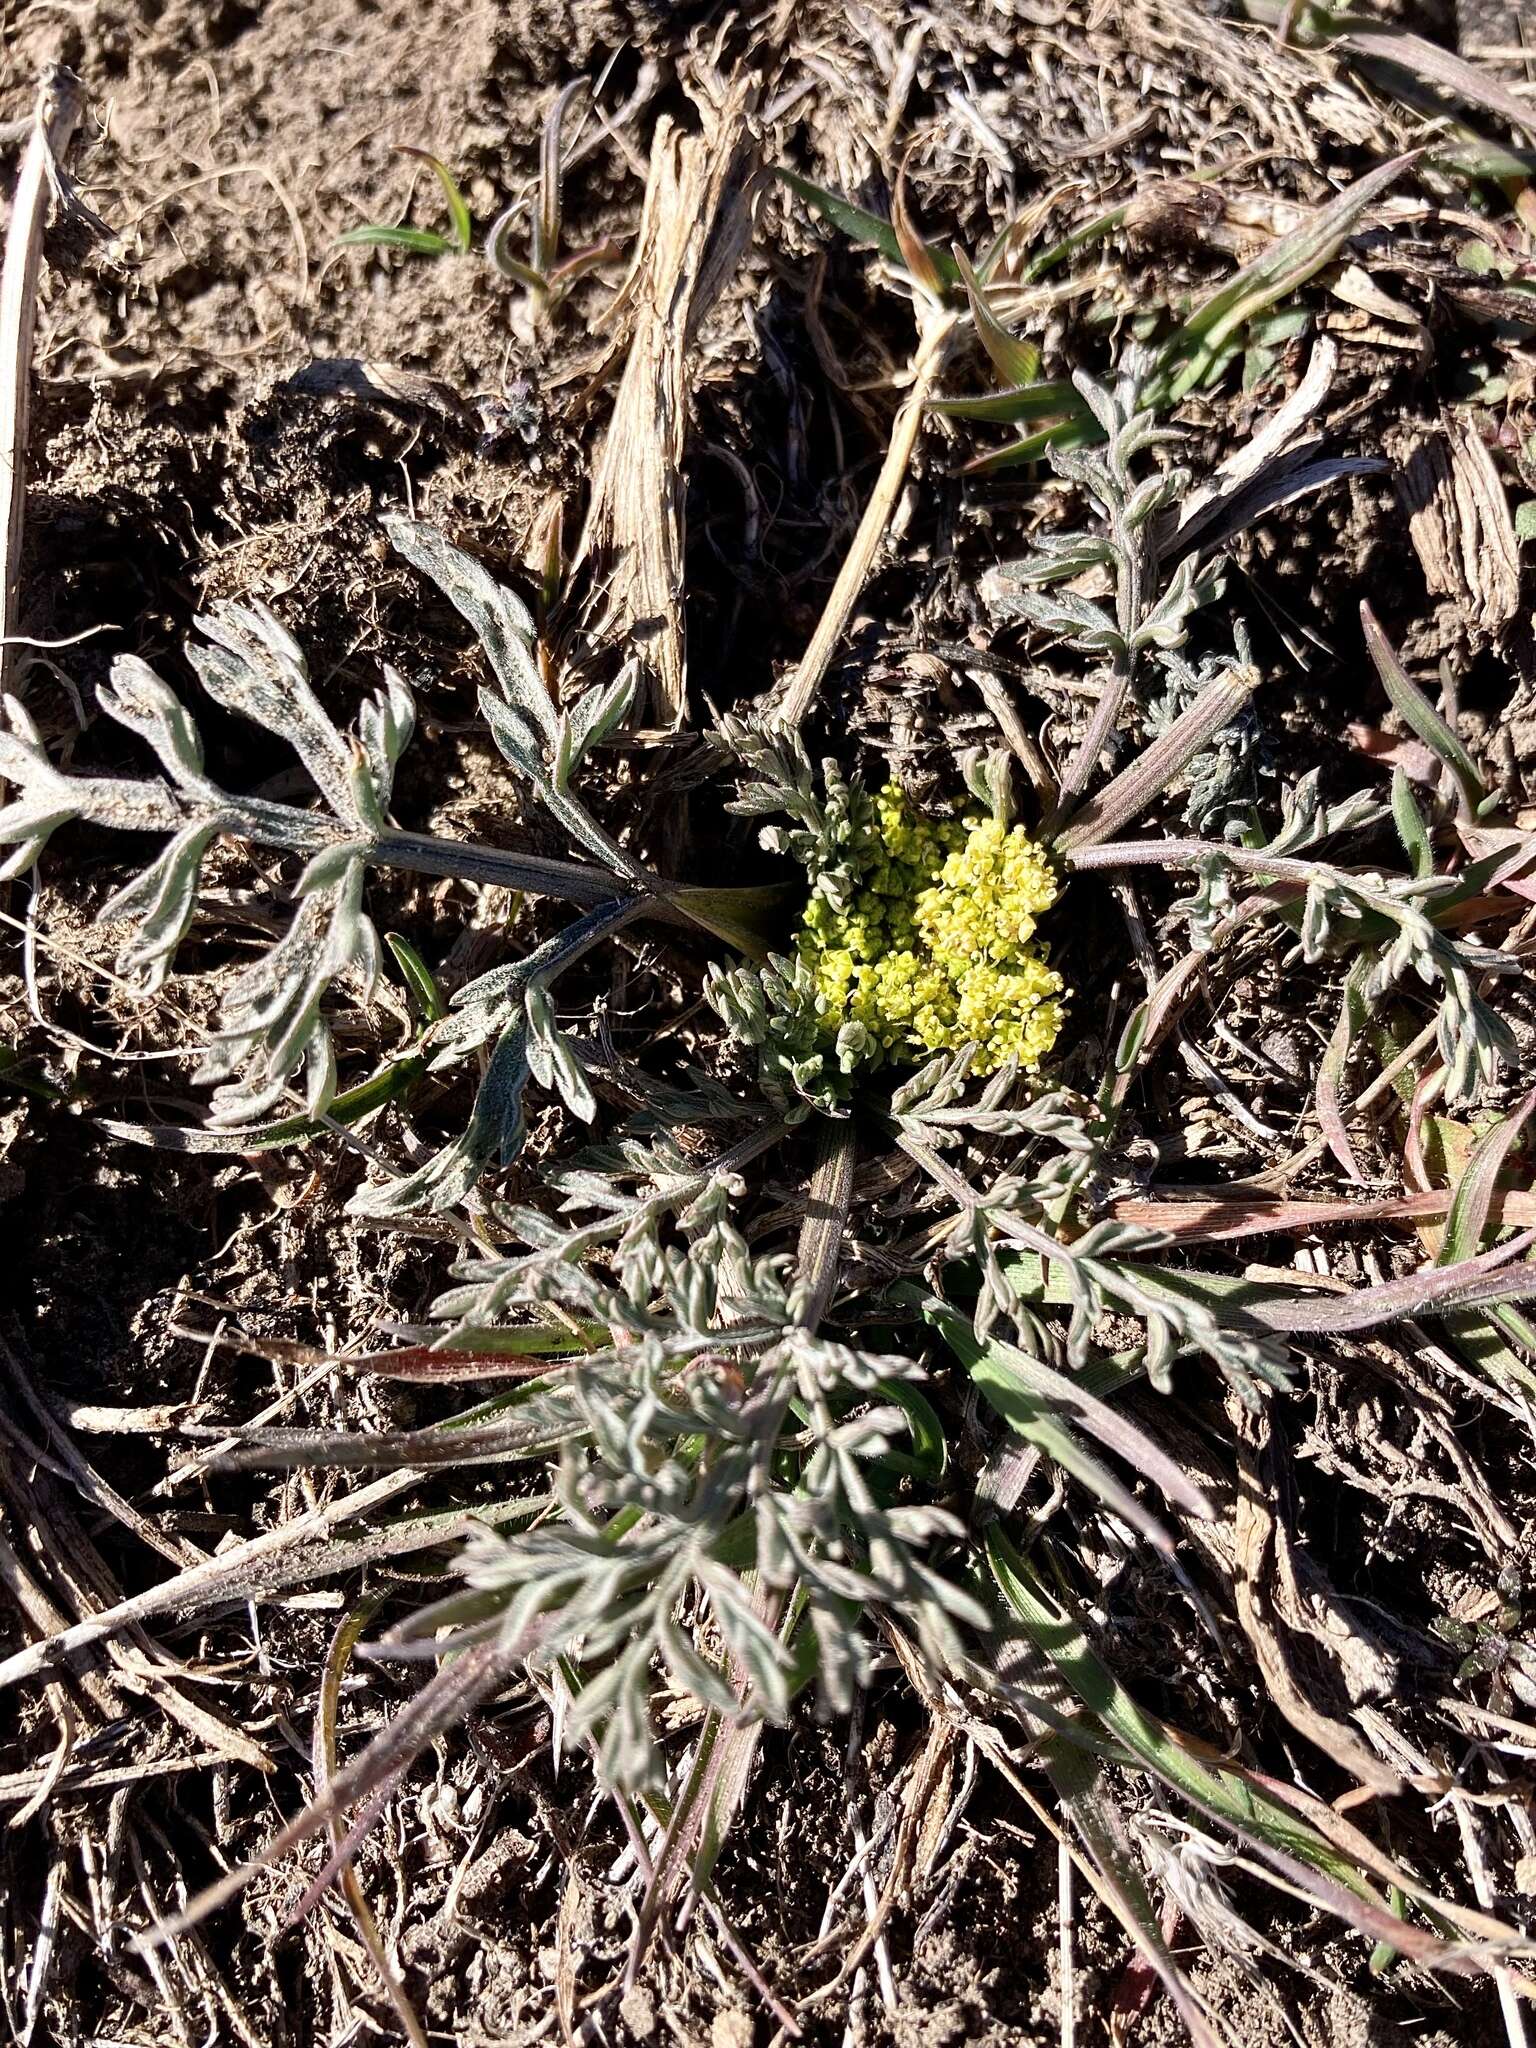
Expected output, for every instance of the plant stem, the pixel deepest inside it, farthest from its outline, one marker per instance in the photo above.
(568, 881)
(1187, 853)
(742, 917)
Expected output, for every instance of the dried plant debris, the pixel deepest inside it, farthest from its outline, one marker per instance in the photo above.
(1459, 520)
(713, 1224)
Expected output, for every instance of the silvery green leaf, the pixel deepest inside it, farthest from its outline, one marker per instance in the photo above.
(250, 664)
(29, 845)
(588, 834)
(627, 1756)
(932, 1087)
(517, 739)
(19, 735)
(384, 728)
(28, 825)
(553, 1060)
(496, 1129)
(1305, 819)
(1102, 402)
(270, 1024)
(1074, 618)
(1300, 814)
(761, 1655)
(484, 1007)
(840, 1655)
(501, 621)
(989, 777)
(49, 798)
(597, 714)
(1093, 471)
(1209, 903)
(1055, 556)
(1167, 624)
(1152, 495)
(138, 699)
(330, 865)
(319, 1070)
(161, 900)
(513, 737)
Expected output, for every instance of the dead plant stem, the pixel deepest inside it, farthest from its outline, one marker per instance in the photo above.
(60, 104)
(935, 337)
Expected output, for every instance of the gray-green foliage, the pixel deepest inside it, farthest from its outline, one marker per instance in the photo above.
(719, 1457)
(1153, 598)
(739, 1490)
(1137, 639)
(1367, 912)
(272, 1027)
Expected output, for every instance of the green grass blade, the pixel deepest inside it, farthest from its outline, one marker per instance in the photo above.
(1019, 402)
(1411, 828)
(1415, 709)
(1035, 1401)
(1015, 360)
(928, 1458)
(1482, 1343)
(430, 1000)
(1283, 268)
(1467, 1223)
(1221, 1794)
(1081, 431)
(1091, 231)
(864, 227)
(458, 210)
(417, 241)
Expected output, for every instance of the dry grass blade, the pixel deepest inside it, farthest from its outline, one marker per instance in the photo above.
(66, 1575)
(227, 1577)
(1460, 524)
(1123, 799)
(1269, 443)
(1330, 1072)
(548, 211)
(934, 341)
(1257, 1537)
(1078, 1782)
(60, 106)
(442, 1703)
(1211, 1220)
(927, 1773)
(1284, 267)
(1439, 67)
(323, 1757)
(1497, 1275)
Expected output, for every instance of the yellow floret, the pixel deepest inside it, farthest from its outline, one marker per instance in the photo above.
(937, 949)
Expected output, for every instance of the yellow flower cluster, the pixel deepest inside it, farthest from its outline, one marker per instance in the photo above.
(936, 948)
